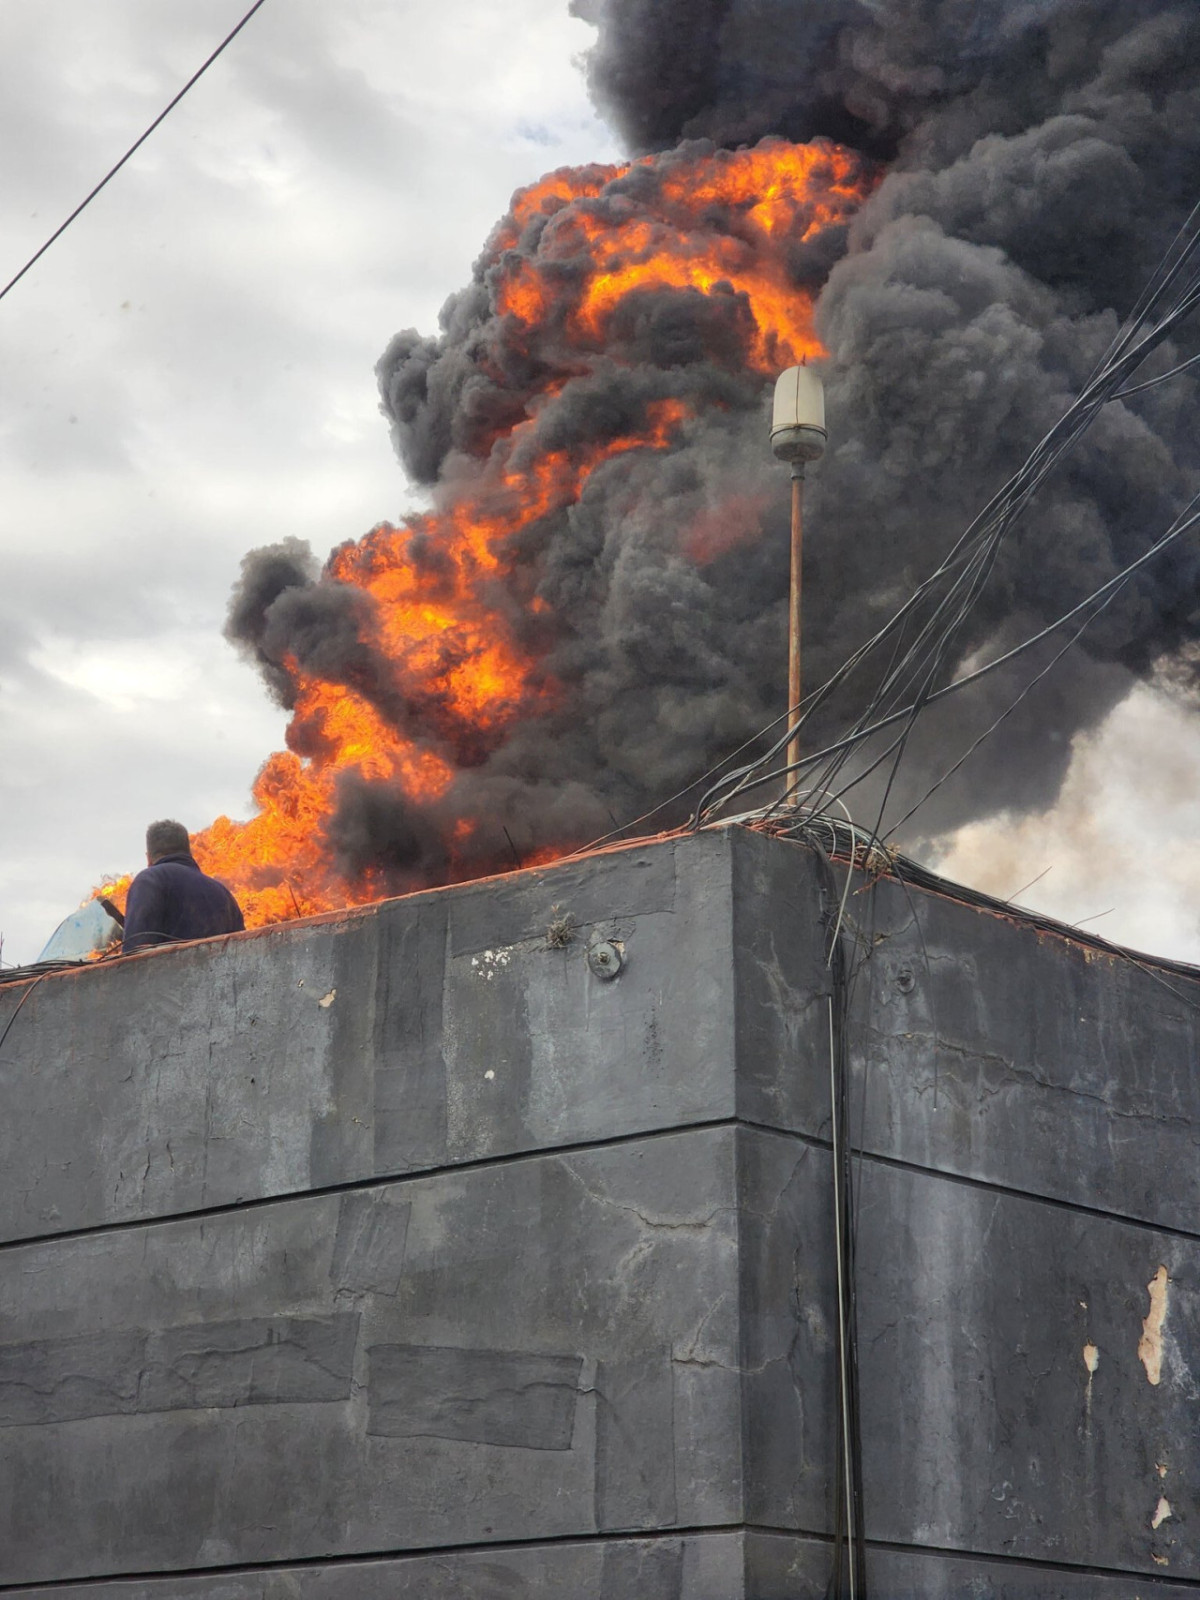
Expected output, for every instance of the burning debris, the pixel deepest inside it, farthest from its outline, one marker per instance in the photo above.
(948, 207)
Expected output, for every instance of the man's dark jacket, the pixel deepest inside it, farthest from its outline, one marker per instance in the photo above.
(174, 900)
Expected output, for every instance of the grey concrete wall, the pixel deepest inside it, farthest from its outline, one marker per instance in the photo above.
(649, 1339)
(982, 1047)
(535, 1348)
(213, 1074)
(1013, 1405)
(405, 1246)
(423, 1032)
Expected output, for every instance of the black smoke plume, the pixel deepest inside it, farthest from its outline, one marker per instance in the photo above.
(1041, 157)
(1036, 159)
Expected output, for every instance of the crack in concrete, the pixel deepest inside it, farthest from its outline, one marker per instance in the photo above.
(689, 1225)
(1014, 1075)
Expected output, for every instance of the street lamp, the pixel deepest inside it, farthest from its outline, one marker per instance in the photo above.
(798, 437)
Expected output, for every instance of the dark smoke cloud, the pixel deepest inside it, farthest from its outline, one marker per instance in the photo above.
(376, 829)
(1040, 155)
(268, 574)
(283, 612)
(909, 77)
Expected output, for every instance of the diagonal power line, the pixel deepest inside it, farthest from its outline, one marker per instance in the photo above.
(133, 148)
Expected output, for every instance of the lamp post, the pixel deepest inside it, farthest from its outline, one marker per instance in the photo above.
(798, 437)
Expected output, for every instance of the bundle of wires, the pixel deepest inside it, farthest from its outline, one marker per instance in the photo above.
(39, 969)
(922, 641)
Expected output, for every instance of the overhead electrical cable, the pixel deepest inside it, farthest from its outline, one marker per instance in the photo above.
(861, 736)
(133, 148)
(1130, 354)
(942, 604)
(1158, 283)
(1182, 524)
(1153, 383)
(17, 1008)
(1041, 463)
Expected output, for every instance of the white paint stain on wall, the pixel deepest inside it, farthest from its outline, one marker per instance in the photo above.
(489, 962)
(1091, 1357)
(1161, 1512)
(1150, 1344)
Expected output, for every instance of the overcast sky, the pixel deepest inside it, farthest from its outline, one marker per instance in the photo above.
(188, 373)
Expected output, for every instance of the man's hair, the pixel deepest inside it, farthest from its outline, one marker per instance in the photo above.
(167, 839)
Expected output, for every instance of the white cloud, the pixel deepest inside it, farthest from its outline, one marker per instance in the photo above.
(123, 675)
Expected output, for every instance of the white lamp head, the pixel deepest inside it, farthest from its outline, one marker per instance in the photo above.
(798, 420)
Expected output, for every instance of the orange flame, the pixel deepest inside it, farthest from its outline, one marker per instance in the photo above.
(774, 189)
(463, 661)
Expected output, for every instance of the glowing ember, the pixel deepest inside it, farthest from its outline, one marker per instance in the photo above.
(455, 639)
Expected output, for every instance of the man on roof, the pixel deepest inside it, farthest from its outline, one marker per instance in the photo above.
(171, 900)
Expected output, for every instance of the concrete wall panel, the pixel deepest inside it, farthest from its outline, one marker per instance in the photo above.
(781, 984)
(436, 1029)
(199, 1077)
(1035, 1396)
(556, 1355)
(981, 1046)
(1027, 1060)
(1029, 1371)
